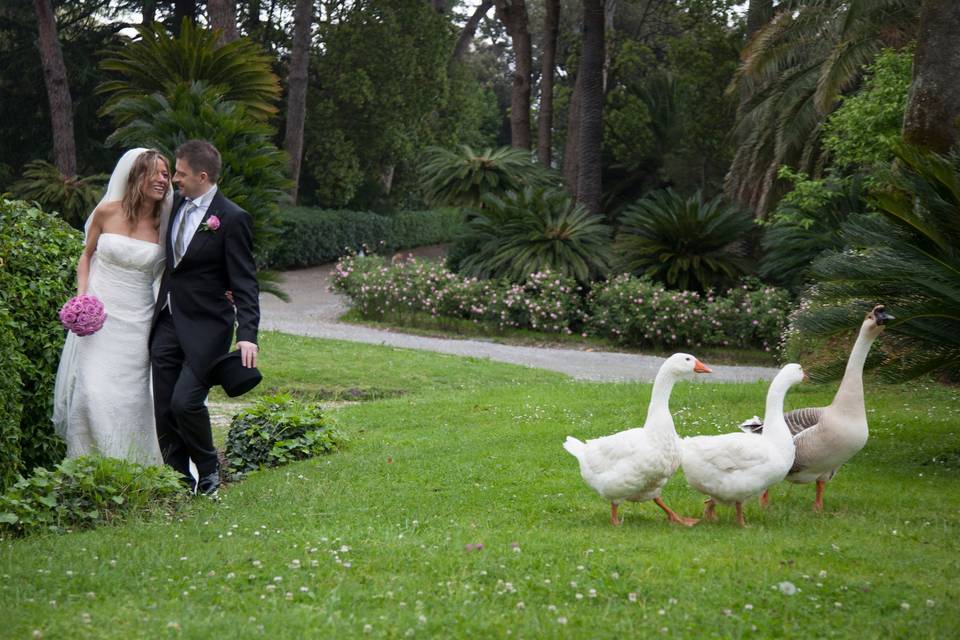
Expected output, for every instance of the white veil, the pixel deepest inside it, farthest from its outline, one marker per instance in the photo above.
(66, 372)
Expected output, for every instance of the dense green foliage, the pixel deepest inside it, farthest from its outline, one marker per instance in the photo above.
(686, 243)
(862, 131)
(380, 92)
(38, 260)
(309, 237)
(521, 233)
(277, 430)
(74, 198)
(807, 222)
(11, 402)
(908, 258)
(85, 492)
(793, 72)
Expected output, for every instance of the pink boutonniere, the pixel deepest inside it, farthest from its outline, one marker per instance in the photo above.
(211, 224)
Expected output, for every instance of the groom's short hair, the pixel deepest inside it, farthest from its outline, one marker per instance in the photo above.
(201, 156)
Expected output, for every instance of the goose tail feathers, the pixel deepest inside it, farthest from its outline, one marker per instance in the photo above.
(574, 446)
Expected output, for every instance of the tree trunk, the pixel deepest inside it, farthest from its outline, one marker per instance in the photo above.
(440, 6)
(571, 150)
(551, 31)
(223, 16)
(149, 12)
(513, 14)
(590, 75)
(183, 9)
(470, 29)
(252, 22)
(58, 90)
(297, 90)
(759, 13)
(933, 106)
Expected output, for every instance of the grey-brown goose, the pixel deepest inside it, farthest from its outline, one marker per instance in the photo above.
(826, 437)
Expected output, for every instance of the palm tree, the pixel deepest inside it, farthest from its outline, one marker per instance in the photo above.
(534, 230)
(590, 78)
(513, 15)
(907, 257)
(685, 243)
(158, 62)
(70, 196)
(792, 73)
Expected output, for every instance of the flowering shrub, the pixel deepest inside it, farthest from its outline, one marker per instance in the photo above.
(630, 310)
(545, 301)
(639, 312)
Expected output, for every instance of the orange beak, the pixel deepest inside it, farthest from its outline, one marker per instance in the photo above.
(699, 367)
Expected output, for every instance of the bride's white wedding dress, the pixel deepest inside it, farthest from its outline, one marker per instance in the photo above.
(103, 403)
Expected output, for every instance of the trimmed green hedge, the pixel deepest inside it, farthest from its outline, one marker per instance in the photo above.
(11, 404)
(38, 261)
(310, 237)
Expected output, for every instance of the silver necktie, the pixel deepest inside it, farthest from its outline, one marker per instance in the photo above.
(180, 246)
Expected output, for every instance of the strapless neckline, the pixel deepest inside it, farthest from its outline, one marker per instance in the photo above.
(120, 235)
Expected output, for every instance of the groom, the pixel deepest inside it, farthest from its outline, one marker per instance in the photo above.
(209, 252)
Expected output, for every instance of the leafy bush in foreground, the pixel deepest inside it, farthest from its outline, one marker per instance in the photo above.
(38, 260)
(85, 492)
(277, 430)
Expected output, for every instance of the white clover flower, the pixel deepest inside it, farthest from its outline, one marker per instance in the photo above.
(787, 588)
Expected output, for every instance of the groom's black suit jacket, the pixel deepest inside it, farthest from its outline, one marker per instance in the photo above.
(214, 262)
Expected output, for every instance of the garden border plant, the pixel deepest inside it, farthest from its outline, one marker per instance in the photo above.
(629, 310)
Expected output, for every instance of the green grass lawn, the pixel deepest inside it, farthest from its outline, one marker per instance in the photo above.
(373, 541)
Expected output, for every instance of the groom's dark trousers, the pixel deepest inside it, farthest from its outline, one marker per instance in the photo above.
(193, 326)
(183, 423)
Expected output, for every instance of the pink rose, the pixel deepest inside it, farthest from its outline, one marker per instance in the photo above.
(213, 223)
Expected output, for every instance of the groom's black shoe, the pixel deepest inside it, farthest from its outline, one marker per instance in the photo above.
(209, 485)
(189, 483)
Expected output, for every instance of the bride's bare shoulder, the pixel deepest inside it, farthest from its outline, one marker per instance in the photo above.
(107, 212)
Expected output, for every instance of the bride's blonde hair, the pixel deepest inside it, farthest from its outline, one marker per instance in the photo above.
(133, 198)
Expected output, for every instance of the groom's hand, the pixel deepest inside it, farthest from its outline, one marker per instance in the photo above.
(248, 353)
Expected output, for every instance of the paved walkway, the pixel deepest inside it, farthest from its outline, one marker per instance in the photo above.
(313, 310)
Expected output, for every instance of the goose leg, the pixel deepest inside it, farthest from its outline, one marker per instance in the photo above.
(710, 510)
(765, 498)
(740, 514)
(613, 515)
(672, 515)
(818, 502)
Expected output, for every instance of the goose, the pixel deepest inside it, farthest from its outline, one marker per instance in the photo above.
(826, 437)
(732, 467)
(635, 464)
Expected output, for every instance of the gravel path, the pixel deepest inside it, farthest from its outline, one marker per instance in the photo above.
(313, 311)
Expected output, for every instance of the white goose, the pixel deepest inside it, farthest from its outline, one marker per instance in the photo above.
(735, 466)
(635, 464)
(826, 437)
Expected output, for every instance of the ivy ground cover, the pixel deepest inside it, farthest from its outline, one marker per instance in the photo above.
(454, 512)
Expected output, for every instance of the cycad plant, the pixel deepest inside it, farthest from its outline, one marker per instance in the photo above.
(794, 69)
(685, 243)
(72, 197)
(157, 62)
(463, 177)
(907, 257)
(535, 230)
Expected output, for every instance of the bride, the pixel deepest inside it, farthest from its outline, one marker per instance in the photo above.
(102, 398)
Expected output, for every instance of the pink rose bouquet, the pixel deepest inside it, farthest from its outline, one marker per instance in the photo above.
(83, 315)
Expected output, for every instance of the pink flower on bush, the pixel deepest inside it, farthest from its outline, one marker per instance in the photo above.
(84, 315)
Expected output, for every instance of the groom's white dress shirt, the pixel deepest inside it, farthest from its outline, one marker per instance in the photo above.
(195, 217)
